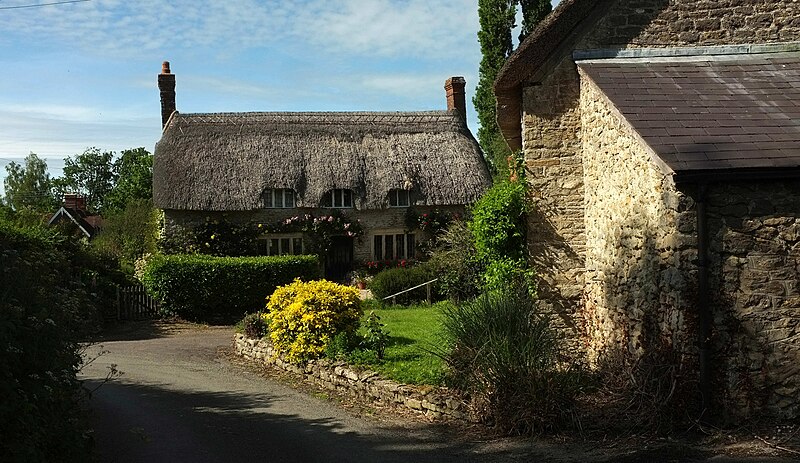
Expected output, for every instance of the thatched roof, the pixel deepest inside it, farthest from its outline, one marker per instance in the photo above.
(225, 161)
(550, 40)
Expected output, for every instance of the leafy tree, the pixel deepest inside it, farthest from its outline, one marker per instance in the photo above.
(134, 179)
(497, 19)
(130, 233)
(89, 174)
(29, 186)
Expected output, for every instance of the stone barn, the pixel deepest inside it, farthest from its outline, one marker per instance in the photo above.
(280, 169)
(662, 142)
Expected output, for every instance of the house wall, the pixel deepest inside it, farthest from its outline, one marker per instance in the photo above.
(640, 242)
(755, 278)
(372, 221)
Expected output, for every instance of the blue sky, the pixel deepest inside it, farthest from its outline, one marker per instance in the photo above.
(84, 74)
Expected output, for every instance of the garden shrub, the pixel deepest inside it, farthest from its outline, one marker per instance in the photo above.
(45, 309)
(200, 287)
(254, 325)
(455, 262)
(506, 357)
(391, 281)
(305, 316)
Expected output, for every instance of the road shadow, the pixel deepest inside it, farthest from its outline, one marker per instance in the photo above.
(139, 330)
(135, 422)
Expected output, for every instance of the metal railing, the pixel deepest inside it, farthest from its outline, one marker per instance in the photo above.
(427, 284)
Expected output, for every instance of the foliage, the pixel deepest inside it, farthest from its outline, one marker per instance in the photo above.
(372, 267)
(89, 174)
(456, 264)
(45, 307)
(214, 237)
(305, 316)
(498, 224)
(133, 171)
(319, 230)
(533, 12)
(202, 287)
(496, 18)
(506, 356)
(394, 280)
(29, 186)
(130, 233)
(255, 326)
(433, 222)
(375, 338)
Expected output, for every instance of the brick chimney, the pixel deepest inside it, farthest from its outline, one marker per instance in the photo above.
(166, 85)
(74, 201)
(456, 100)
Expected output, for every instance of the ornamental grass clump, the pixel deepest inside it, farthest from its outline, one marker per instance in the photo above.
(304, 317)
(506, 357)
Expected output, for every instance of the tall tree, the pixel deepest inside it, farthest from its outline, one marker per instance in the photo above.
(89, 174)
(497, 19)
(134, 179)
(533, 12)
(29, 186)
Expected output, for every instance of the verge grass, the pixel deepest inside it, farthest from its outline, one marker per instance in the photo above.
(414, 336)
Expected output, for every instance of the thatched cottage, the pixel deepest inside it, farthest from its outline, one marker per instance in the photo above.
(662, 141)
(272, 168)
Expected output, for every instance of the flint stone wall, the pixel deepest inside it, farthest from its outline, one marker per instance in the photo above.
(434, 403)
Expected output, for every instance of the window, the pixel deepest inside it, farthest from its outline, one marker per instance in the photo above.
(280, 245)
(399, 198)
(390, 246)
(338, 198)
(278, 198)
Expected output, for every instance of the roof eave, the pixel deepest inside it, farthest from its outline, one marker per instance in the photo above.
(736, 175)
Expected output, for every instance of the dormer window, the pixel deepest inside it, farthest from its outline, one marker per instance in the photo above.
(399, 198)
(278, 198)
(338, 197)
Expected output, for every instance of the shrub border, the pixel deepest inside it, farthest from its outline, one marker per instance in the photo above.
(436, 403)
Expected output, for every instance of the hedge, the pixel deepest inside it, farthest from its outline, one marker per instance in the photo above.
(394, 280)
(207, 288)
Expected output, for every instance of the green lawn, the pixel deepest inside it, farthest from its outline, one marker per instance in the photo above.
(414, 333)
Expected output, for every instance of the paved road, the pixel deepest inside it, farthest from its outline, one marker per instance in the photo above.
(180, 401)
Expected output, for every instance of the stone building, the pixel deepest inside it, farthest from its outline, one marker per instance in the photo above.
(281, 168)
(662, 142)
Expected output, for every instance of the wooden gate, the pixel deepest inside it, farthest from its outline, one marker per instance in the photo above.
(133, 303)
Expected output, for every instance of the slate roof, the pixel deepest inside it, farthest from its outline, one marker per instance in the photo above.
(709, 113)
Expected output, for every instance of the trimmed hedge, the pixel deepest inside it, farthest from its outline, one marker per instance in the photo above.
(393, 280)
(207, 288)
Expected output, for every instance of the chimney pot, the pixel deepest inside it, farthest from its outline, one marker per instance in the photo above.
(166, 87)
(456, 97)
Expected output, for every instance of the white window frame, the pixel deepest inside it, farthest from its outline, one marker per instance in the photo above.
(409, 246)
(279, 240)
(278, 198)
(337, 194)
(397, 195)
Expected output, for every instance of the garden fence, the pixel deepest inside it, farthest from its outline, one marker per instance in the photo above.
(133, 303)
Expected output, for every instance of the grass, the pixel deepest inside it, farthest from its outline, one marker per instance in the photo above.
(414, 333)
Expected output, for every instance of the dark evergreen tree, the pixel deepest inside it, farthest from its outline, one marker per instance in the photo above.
(533, 12)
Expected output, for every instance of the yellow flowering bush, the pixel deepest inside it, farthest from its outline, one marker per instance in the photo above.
(304, 316)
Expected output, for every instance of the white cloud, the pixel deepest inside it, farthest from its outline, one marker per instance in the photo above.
(412, 28)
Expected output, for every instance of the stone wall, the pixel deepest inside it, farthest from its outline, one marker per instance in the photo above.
(551, 143)
(434, 403)
(661, 23)
(755, 269)
(639, 238)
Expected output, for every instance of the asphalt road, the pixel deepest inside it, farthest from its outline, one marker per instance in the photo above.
(178, 400)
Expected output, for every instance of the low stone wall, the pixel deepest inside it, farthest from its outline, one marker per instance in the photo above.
(436, 403)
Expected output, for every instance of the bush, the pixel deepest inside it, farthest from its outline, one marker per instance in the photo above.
(44, 308)
(200, 287)
(394, 280)
(505, 356)
(455, 261)
(305, 317)
(254, 325)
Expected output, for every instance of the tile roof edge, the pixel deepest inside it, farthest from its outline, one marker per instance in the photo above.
(683, 52)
